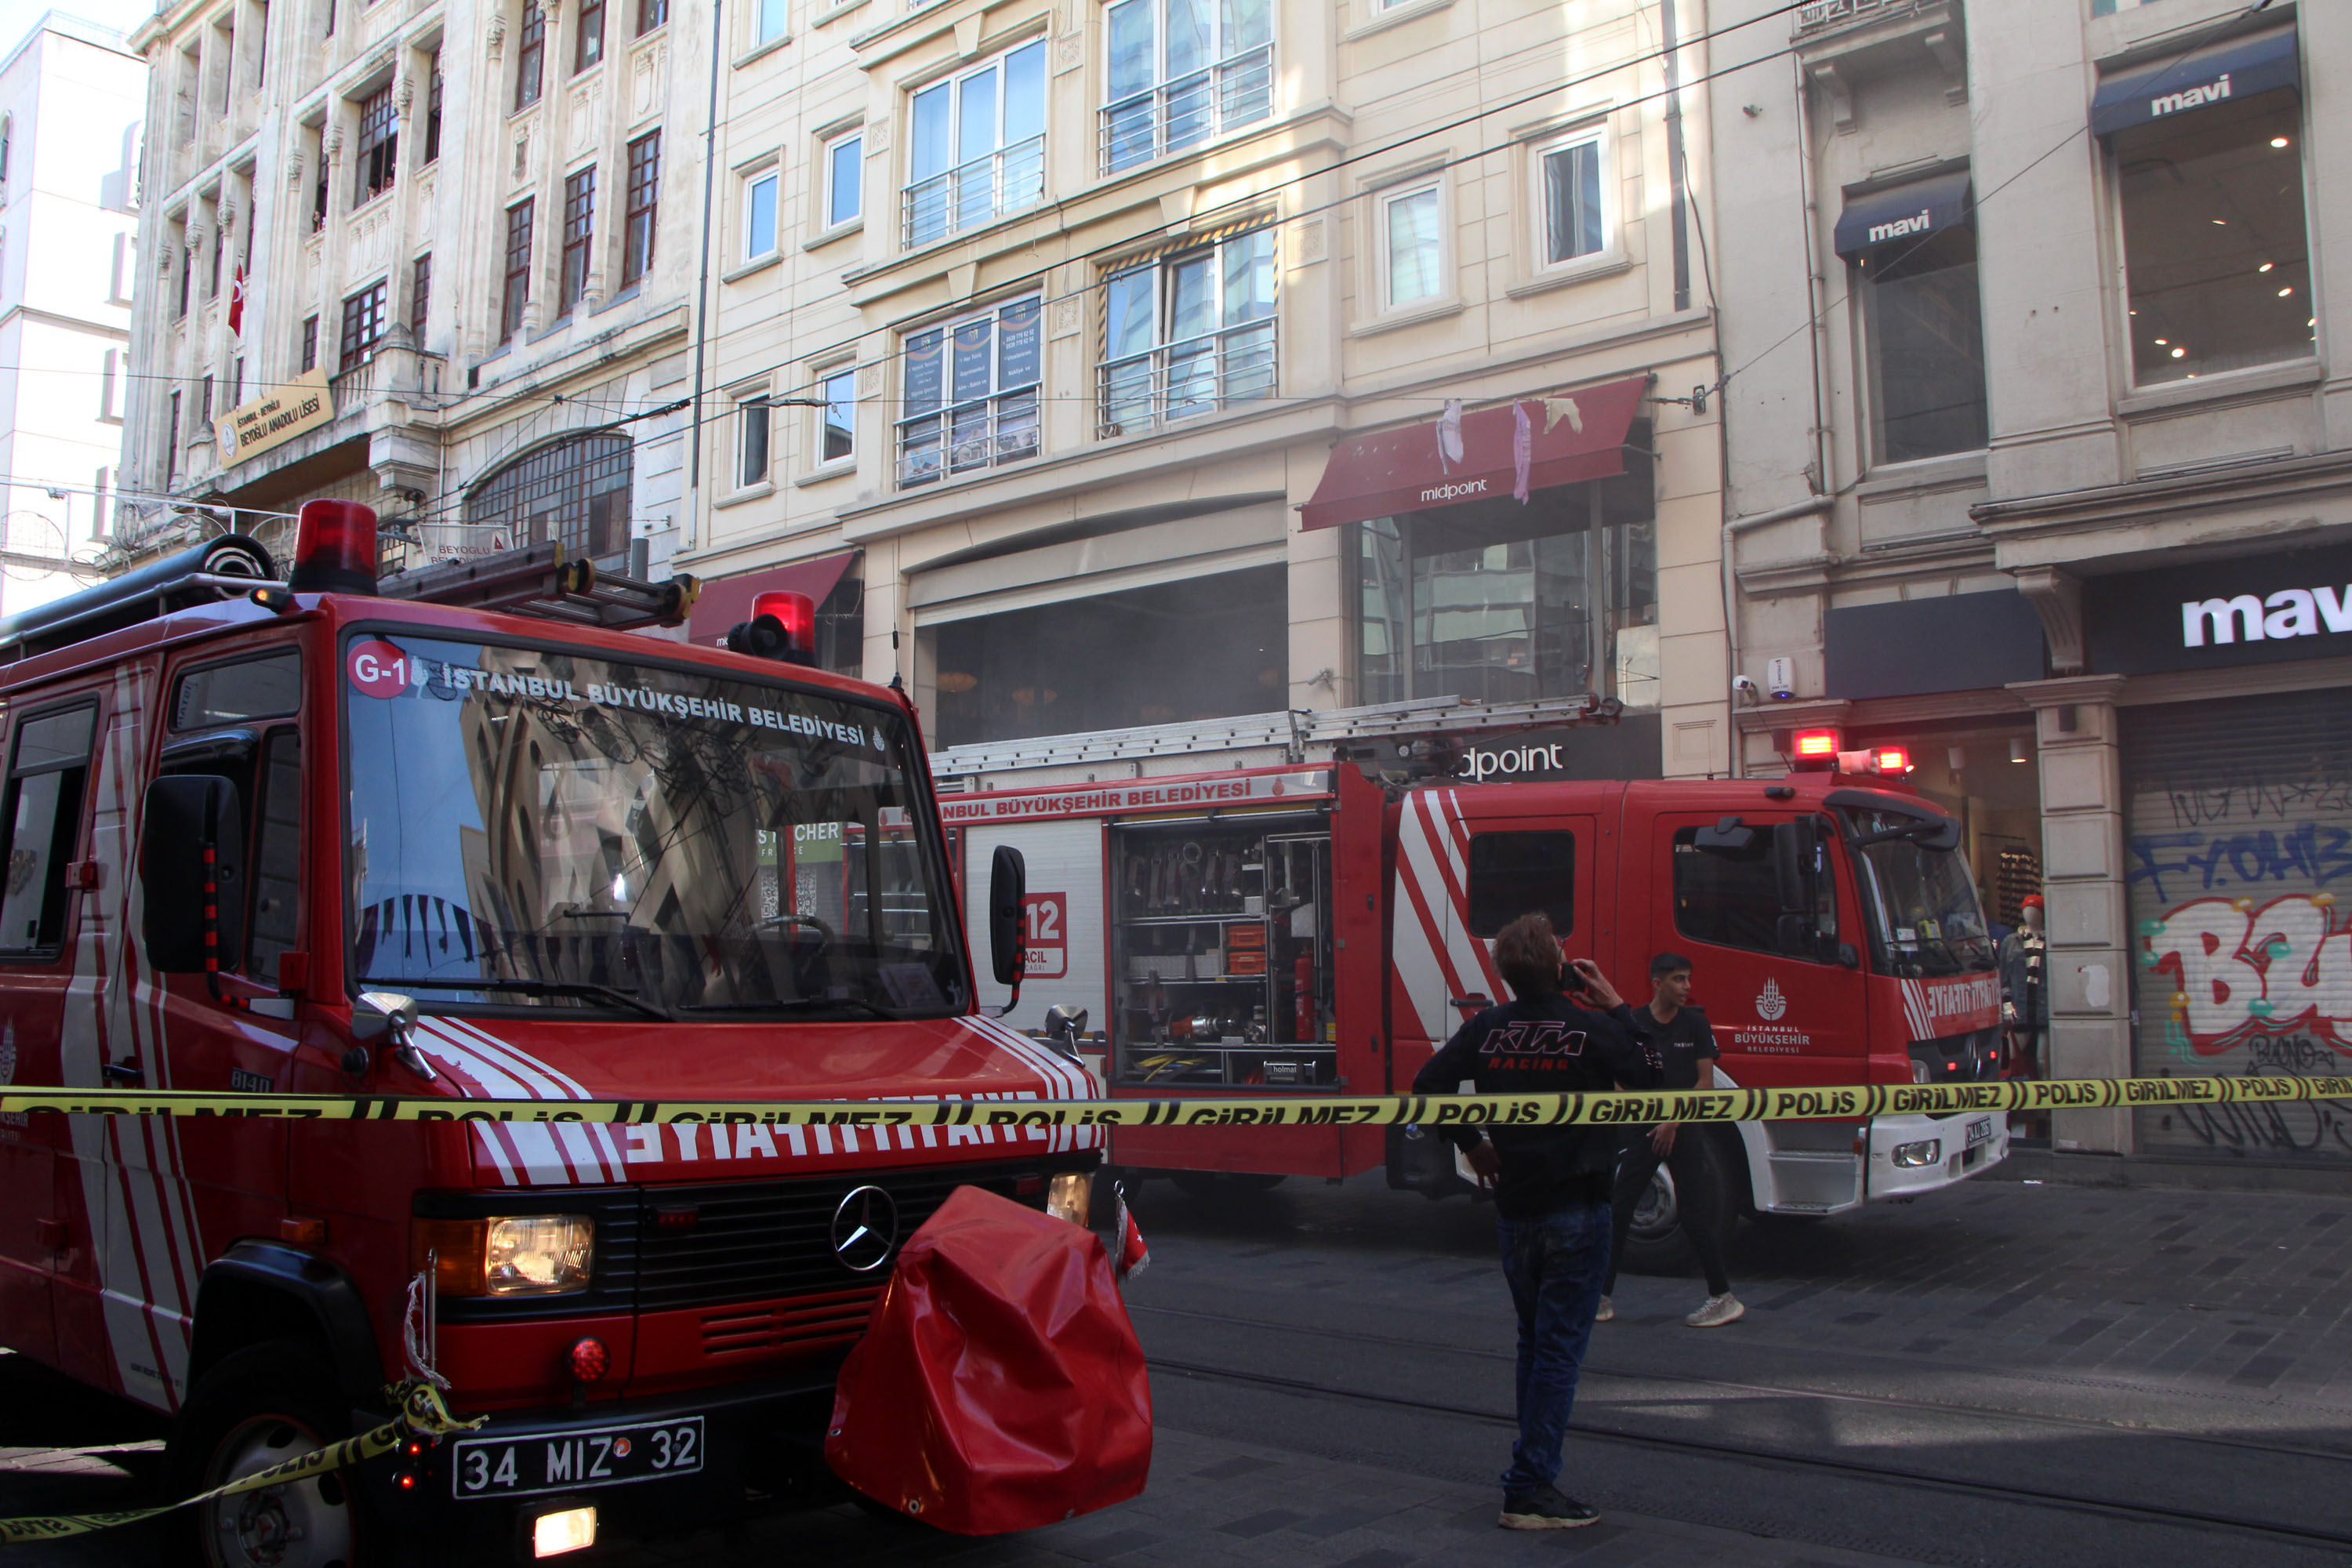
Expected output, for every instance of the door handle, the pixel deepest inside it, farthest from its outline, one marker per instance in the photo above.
(130, 1073)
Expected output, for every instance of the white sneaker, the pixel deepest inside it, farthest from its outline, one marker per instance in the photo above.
(1606, 1313)
(1718, 1311)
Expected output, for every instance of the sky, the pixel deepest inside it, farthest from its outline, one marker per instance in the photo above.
(17, 17)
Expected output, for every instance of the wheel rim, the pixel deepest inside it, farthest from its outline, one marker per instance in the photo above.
(305, 1523)
(1657, 1215)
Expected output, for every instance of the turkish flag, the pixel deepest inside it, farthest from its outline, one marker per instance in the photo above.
(237, 302)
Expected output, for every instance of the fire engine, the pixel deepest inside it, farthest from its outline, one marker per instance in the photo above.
(467, 833)
(1328, 927)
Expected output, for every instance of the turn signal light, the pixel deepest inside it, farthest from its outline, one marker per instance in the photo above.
(334, 549)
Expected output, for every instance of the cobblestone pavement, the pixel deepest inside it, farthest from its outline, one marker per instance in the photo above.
(1331, 1384)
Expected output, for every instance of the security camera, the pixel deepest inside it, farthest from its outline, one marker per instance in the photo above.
(1744, 688)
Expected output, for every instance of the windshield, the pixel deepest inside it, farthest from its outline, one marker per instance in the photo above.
(548, 829)
(1923, 915)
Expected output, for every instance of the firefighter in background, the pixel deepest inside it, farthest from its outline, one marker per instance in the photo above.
(2025, 990)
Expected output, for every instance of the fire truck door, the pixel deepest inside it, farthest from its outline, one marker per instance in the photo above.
(1757, 909)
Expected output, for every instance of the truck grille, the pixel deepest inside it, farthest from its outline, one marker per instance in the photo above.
(803, 1323)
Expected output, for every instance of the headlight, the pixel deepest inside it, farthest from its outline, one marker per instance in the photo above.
(1918, 1073)
(1071, 1197)
(532, 1255)
(1922, 1153)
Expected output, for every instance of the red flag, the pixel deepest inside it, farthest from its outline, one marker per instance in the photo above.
(1134, 1256)
(237, 302)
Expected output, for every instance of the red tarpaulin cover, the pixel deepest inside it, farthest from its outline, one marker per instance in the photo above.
(1000, 1386)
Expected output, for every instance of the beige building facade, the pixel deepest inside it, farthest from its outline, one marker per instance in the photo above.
(2040, 465)
(465, 236)
(1126, 376)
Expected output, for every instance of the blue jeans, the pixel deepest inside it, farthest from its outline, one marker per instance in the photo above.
(1554, 1266)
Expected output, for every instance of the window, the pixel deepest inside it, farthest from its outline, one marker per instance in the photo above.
(579, 234)
(1189, 334)
(760, 215)
(1926, 345)
(531, 54)
(1103, 661)
(771, 18)
(1502, 603)
(276, 854)
(1732, 897)
(644, 195)
(1512, 874)
(1180, 72)
(752, 415)
(651, 13)
(102, 525)
(309, 344)
(517, 273)
(266, 687)
(316, 148)
(1569, 197)
(970, 393)
(172, 444)
(363, 322)
(109, 386)
(1413, 251)
(845, 178)
(838, 436)
(588, 41)
(574, 491)
(2217, 266)
(977, 148)
(205, 401)
(379, 146)
(42, 815)
(260, 45)
(220, 246)
(420, 298)
(188, 269)
(327, 30)
(433, 111)
(126, 269)
(236, 381)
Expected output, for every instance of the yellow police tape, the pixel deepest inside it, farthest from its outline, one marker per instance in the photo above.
(421, 1413)
(1834, 1103)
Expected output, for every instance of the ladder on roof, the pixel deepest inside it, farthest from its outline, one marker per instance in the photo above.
(540, 580)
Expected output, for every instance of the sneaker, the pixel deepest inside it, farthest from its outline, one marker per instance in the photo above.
(1606, 1313)
(1717, 1312)
(1546, 1509)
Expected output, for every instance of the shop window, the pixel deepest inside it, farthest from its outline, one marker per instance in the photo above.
(1926, 344)
(1199, 649)
(579, 236)
(643, 208)
(1189, 334)
(845, 178)
(1572, 200)
(1732, 897)
(574, 491)
(378, 163)
(1413, 251)
(2217, 263)
(970, 393)
(1512, 874)
(42, 816)
(976, 147)
(1182, 72)
(1498, 601)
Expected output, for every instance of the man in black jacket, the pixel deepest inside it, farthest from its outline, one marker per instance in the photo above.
(1551, 1184)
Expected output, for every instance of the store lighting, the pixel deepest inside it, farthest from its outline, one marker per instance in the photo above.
(2179, 353)
(2278, 141)
(2266, 266)
(2161, 341)
(2017, 749)
(2284, 292)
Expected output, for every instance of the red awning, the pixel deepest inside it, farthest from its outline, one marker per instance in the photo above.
(1577, 436)
(725, 601)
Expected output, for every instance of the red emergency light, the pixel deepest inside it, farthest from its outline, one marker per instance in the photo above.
(334, 548)
(1892, 760)
(1813, 750)
(782, 626)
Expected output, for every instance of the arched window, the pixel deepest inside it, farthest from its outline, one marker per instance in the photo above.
(574, 491)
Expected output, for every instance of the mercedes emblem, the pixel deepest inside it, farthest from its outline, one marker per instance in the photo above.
(865, 1229)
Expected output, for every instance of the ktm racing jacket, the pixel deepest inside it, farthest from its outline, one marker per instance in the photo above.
(1544, 1045)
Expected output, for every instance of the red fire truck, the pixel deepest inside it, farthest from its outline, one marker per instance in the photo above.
(472, 837)
(1314, 927)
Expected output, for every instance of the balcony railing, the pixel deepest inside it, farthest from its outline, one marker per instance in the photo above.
(1824, 14)
(976, 434)
(1188, 110)
(974, 193)
(1199, 376)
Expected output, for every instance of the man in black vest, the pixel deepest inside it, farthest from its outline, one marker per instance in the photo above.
(1551, 1184)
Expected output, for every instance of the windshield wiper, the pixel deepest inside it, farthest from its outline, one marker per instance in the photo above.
(583, 988)
(792, 1005)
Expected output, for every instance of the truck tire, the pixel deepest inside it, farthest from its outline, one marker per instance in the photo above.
(257, 1408)
(1655, 1242)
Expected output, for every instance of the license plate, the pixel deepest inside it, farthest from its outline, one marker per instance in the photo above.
(1979, 1131)
(568, 1461)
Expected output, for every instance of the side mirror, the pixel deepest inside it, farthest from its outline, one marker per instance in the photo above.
(393, 1015)
(191, 861)
(1008, 885)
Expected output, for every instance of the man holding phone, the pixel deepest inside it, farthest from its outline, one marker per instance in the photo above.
(1551, 1184)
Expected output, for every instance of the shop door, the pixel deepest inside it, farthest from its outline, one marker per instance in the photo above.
(2239, 826)
(1761, 922)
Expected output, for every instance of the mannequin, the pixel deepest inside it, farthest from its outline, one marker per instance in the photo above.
(2025, 994)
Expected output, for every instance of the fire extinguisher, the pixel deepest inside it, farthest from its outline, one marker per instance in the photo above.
(1302, 1002)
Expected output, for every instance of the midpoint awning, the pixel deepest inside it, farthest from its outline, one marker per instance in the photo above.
(2218, 73)
(725, 601)
(1903, 212)
(1574, 437)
